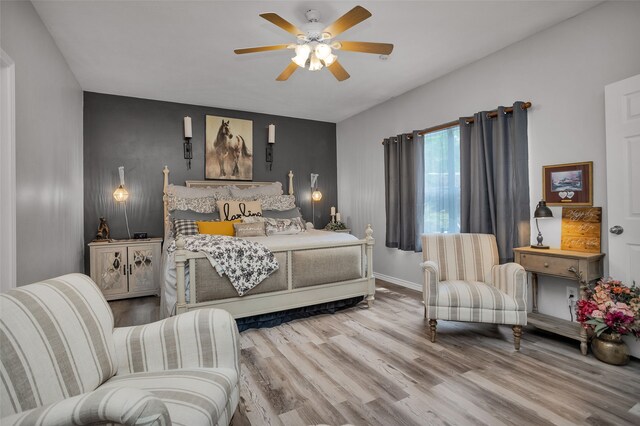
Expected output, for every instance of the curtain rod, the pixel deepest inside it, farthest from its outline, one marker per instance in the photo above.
(490, 114)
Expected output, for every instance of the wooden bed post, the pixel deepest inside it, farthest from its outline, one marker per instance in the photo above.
(370, 241)
(180, 259)
(165, 218)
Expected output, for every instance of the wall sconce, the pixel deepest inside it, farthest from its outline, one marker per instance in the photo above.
(316, 195)
(271, 141)
(121, 195)
(188, 149)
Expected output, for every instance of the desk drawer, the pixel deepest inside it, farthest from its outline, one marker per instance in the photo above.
(549, 265)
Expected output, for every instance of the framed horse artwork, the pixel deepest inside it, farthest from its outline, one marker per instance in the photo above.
(228, 148)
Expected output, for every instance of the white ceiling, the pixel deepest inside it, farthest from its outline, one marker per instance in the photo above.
(182, 51)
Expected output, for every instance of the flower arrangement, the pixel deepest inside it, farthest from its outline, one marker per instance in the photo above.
(335, 226)
(611, 307)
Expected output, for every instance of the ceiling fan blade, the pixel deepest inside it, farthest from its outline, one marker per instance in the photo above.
(275, 19)
(338, 71)
(348, 20)
(290, 69)
(261, 49)
(366, 47)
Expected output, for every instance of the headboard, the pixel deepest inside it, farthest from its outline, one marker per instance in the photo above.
(207, 184)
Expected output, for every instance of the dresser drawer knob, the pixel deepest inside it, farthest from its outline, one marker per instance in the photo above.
(546, 265)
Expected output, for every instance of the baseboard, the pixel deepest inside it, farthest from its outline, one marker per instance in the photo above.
(398, 281)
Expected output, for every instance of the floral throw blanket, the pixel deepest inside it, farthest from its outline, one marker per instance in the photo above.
(246, 263)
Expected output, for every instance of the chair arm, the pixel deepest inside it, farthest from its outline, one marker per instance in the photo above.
(126, 406)
(205, 338)
(511, 278)
(430, 282)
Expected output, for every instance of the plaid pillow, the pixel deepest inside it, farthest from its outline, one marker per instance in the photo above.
(185, 227)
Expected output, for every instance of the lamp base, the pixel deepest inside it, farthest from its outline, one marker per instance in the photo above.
(539, 246)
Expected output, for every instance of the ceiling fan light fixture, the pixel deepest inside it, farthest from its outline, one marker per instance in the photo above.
(302, 54)
(329, 59)
(322, 51)
(299, 61)
(314, 63)
(303, 50)
(336, 45)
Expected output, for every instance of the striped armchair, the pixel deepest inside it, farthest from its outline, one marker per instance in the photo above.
(464, 282)
(62, 362)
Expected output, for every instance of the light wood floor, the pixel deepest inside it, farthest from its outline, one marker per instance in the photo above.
(377, 367)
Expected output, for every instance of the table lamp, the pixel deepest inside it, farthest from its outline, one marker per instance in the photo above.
(541, 212)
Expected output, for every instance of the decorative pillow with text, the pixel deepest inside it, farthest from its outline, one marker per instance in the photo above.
(230, 209)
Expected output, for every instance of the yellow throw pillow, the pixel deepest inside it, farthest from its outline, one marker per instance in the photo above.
(218, 228)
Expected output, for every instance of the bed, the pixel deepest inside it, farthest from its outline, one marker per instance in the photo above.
(314, 267)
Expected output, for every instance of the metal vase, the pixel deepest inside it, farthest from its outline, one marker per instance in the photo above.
(609, 348)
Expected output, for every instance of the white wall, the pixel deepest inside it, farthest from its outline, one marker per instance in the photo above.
(49, 202)
(562, 71)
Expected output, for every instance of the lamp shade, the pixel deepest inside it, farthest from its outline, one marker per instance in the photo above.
(542, 210)
(316, 195)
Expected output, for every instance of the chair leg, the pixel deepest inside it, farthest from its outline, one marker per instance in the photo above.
(517, 334)
(432, 326)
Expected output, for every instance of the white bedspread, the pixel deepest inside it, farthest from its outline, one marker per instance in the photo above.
(273, 242)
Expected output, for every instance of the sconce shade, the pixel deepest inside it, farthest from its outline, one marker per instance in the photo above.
(272, 133)
(316, 195)
(188, 132)
(120, 194)
(542, 211)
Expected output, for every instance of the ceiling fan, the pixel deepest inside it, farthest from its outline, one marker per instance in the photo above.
(315, 45)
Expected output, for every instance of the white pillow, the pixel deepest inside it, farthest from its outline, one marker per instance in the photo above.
(274, 189)
(233, 209)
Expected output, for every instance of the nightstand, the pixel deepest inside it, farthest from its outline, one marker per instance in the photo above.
(572, 265)
(126, 268)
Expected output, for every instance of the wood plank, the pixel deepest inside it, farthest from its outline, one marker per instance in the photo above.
(555, 325)
(378, 367)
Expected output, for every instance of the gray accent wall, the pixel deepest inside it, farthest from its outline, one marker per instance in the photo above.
(144, 135)
(49, 219)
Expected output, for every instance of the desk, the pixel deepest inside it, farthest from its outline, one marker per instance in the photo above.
(583, 267)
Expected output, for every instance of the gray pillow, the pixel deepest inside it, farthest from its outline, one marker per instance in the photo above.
(285, 214)
(273, 189)
(191, 215)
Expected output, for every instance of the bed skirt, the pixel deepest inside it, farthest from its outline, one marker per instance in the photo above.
(276, 318)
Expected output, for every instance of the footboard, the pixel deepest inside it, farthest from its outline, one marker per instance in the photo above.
(312, 274)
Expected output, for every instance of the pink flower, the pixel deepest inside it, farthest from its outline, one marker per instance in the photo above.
(597, 314)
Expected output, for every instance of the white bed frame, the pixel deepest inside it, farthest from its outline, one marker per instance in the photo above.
(278, 300)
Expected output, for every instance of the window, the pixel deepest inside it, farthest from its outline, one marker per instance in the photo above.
(442, 181)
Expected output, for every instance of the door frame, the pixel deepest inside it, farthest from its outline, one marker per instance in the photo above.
(7, 173)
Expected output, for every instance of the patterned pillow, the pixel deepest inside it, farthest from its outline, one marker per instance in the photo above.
(250, 229)
(180, 191)
(199, 205)
(277, 202)
(185, 227)
(232, 209)
(279, 226)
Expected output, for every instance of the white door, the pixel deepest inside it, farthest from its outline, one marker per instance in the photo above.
(622, 107)
(7, 174)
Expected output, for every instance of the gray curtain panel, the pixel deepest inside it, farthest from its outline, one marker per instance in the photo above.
(404, 191)
(494, 178)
